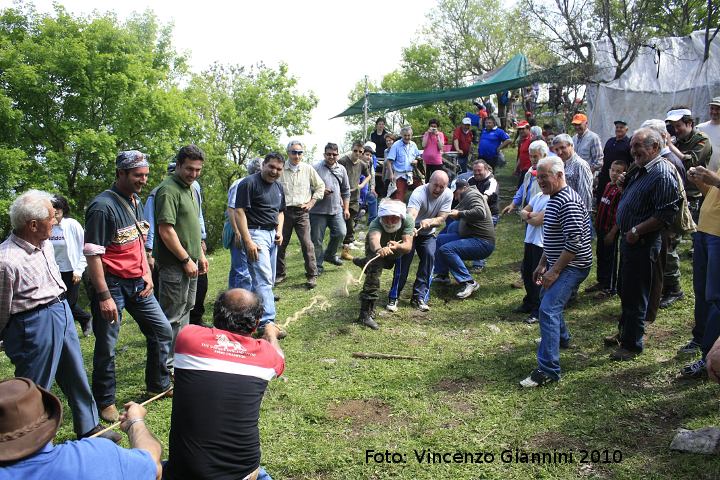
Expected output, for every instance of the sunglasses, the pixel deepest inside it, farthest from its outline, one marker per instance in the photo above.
(297, 152)
(331, 154)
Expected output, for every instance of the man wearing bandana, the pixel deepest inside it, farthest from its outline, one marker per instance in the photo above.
(115, 231)
(390, 236)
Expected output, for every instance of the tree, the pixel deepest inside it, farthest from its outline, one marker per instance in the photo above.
(74, 91)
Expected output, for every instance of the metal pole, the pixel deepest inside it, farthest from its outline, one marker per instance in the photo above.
(365, 110)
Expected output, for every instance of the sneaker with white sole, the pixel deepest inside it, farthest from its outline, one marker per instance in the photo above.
(468, 290)
(420, 304)
(691, 347)
(392, 305)
(696, 370)
(537, 378)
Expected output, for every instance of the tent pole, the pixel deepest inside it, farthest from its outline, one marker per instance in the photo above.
(365, 110)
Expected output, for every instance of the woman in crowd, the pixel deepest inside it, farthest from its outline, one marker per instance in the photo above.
(433, 141)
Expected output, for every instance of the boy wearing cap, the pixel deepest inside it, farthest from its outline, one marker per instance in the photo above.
(29, 420)
(462, 143)
(120, 278)
(711, 128)
(587, 143)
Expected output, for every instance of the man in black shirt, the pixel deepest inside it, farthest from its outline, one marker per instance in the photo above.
(616, 148)
(259, 214)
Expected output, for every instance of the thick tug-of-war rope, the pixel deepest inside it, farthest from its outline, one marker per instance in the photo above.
(117, 424)
(350, 280)
(322, 304)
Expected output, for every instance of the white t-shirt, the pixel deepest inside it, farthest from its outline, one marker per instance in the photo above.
(57, 238)
(712, 131)
(429, 207)
(534, 233)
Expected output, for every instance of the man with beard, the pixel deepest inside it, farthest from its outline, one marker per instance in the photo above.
(390, 236)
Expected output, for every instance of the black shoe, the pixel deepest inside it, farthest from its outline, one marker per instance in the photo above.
(335, 260)
(522, 309)
(279, 279)
(612, 341)
(696, 370)
(670, 298)
(691, 347)
(441, 280)
(86, 328)
(623, 354)
(565, 344)
(531, 320)
(360, 261)
(110, 435)
(420, 304)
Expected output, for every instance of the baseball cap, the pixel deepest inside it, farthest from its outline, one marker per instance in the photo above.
(675, 115)
(371, 146)
(522, 124)
(715, 101)
(622, 122)
(466, 121)
(579, 118)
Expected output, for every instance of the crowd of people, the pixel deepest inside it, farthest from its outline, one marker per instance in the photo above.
(636, 196)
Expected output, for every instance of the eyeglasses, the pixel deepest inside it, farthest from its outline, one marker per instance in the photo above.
(327, 154)
(296, 152)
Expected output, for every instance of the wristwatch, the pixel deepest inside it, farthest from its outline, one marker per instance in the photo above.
(185, 260)
(634, 232)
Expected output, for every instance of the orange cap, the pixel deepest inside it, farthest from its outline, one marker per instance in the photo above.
(579, 118)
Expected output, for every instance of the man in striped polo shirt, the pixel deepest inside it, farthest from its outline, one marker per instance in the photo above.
(648, 205)
(565, 263)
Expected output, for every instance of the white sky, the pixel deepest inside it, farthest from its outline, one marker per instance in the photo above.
(328, 45)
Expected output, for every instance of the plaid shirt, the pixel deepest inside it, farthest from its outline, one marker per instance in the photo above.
(29, 277)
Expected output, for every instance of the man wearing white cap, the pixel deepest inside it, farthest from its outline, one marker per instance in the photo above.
(711, 128)
(462, 143)
(390, 236)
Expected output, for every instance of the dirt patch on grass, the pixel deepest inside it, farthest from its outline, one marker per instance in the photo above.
(456, 385)
(559, 440)
(362, 412)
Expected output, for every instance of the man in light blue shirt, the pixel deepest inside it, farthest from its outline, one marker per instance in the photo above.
(402, 156)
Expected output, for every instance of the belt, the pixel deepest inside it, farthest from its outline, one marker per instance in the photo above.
(52, 302)
(261, 227)
(293, 207)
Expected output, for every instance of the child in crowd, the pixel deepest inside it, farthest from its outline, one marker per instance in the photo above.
(607, 235)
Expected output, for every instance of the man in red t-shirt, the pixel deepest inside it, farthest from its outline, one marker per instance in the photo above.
(462, 143)
(524, 141)
(221, 374)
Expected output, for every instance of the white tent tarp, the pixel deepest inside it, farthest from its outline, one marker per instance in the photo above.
(653, 83)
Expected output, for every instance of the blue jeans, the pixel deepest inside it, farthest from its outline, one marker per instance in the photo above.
(152, 323)
(481, 263)
(425, 246)
(452, 250)
(372, 206)
(552, 323)
(44, 347)
(318, 223)
(638, 261)
(262, 271)
(706, 284)
(239, 276)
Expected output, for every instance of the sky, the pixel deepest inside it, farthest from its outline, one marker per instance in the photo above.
(328, 45)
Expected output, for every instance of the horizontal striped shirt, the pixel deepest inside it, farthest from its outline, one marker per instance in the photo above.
(566, 226)
(650, 191)
(29, 277)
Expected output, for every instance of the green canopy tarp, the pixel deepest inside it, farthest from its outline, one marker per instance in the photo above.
(514, 74)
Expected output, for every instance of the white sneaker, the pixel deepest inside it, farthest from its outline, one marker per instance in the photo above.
(392, 305)
(468, 290)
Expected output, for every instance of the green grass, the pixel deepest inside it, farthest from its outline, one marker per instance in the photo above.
(329, 408)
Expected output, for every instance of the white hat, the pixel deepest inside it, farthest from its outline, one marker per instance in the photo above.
(675, 115)
(371, 146)
(466, 121)
(391, 208)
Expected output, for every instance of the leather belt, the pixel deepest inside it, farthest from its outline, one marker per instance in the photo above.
(52, 302)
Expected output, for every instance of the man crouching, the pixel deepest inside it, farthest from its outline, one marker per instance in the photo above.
(389, 236)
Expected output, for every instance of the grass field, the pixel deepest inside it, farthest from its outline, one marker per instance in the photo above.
(329, 409)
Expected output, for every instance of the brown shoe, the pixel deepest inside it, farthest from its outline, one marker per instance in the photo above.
(518, 283)
(595, 288)
(311, 283)
(612, 340)
(346, 254)
(110, 435)
(110, 413)
(168, 393)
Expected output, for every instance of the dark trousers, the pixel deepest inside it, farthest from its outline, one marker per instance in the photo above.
(521, 178)
(656, 289)
(196, 314)
(607, 263)
(73, 291)
(637, 276)
(154, 326)
(424, 245)
(371, 286)
(43, 346)
(350, 225)
(298, 220)
(429, 169)
(531, 259)
(706, 284)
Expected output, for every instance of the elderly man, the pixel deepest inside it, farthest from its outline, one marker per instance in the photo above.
(178, 250)
(587, 143)
(120, 279)
(711, 128)
(390, 236)
(706, 258)
(462, 143)
(356, 168)
(333, 210)
(429, 206)
(401, 157)
(302, 187)
(649, 203)
(616, 148)
(259, 215)
(565, 263)
(492, 140)
(35, 319)
(226, 371)
(29, 420)
(577, 172)
(470, 237)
